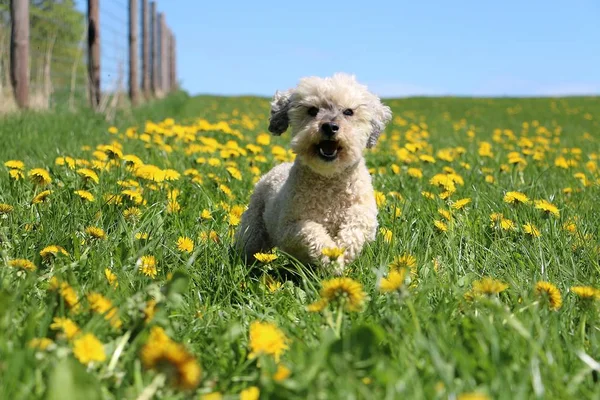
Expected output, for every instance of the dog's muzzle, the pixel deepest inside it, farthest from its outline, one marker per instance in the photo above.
(328, 149)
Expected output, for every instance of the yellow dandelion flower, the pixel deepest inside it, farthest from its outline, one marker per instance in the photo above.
(173, 207)
(570, 227)
(488, 286)
(132, 214)
(135, 196)
(415, 173)
(171, 175)
(67, 293)
(551, 292)
(69, 328)
(5, 208)
(206, 214)
(53, 251)
(387, 234)
(394, 280)
(88, 349)
(282, 373)
(103, 306)
(272, 284)
(147, 266)
(185, 244)
(531, 230)
(252, 393)
(473, 396)
(428, 195)
(225, 189)
(112, 151)
(212, 235)
(150, 310)
(88, 175)
(212, 396)
(16, 174)
(440, 226)
(40, 176)
(490, 179)
(506, 224)
(163, 354)
(380, 199)
(41, 197)
(427, 159)
(404, 261)
(235, 173)
(547, 207)
(317, 306)
(111, 277)
(233, 219)
(344, 289)
(15, 164)
(150, 173)
(333, 253)
(85, 195)
(516, 198)
(142, 236)
(265, 257)
(264, 139)
(586, 292)
(445, 181)
(266, 339)
(445, 214)
(95, 232)
(40, 343)
(460, 204)
(23, 264)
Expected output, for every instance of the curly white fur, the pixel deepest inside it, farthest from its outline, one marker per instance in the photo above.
(318, 202)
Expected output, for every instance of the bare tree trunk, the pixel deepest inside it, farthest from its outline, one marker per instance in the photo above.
(19, 54)
(74, 72)
(47, 93)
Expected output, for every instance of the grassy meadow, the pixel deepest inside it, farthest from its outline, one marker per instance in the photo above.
(118, 279)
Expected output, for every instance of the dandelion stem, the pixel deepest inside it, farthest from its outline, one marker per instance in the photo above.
(582, 328)
(338, 323)
(413, 313)
(150, 390)
(118, 351)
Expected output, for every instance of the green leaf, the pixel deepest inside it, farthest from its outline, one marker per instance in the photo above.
(70, 381)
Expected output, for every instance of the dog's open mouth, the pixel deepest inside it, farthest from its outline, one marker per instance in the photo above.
(328, 149)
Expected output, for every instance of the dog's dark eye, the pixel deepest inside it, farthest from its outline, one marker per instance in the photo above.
(313, 111)
(348, 112)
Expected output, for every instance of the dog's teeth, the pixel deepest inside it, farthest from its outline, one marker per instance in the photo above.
(328, 155)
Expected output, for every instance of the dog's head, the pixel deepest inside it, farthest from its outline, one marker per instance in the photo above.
(332, 121)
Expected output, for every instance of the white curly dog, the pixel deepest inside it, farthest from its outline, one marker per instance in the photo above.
(325, 198)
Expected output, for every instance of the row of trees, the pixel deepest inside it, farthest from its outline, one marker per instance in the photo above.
(57, 49)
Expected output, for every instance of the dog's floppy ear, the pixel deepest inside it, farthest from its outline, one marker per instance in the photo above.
(382, 114)
(279, 121)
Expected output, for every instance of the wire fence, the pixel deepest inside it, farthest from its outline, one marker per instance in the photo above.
(104, 54)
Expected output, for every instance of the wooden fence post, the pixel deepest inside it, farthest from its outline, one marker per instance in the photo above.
(154, 70)
(19, 51)
(163, 53)
(133, 53)
(94, 52)
(145, 50)
(172, 64)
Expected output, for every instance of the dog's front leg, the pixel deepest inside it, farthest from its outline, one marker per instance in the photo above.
(306, 240)
(359, 227)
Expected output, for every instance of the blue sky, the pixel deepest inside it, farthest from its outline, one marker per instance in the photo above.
(398, 48)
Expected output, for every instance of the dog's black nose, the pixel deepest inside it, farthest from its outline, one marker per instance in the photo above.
(329, 128)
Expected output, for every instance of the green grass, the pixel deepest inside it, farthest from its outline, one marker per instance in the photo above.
(427, 340)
